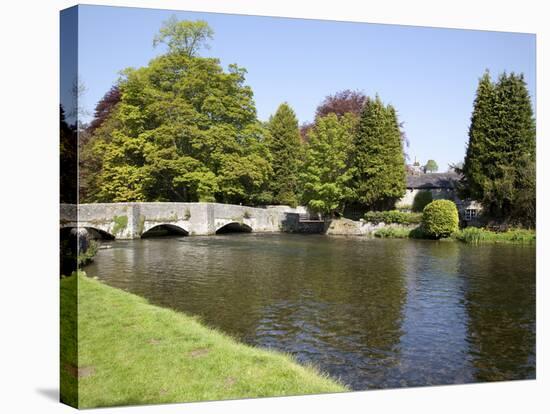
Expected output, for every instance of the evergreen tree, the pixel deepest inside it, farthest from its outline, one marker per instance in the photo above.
(285, 147)
(499, 169)
(327, 171)
(481, 134)
(379, 161)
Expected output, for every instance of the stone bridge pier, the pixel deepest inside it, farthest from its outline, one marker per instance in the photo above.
(135, 220)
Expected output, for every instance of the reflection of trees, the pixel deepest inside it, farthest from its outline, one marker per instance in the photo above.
(500, 301)
(208, 277)
(369, 290)
(338, 302)
(434, 348)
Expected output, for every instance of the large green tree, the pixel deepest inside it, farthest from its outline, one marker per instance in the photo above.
(183, 130)
(185, 37)
(379, 160)
(327, 168)
(499, 168)
(286, 150)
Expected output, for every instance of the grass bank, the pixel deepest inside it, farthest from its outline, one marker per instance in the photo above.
(474, 235)
(470, 235)
(131, 352)
(400, 233)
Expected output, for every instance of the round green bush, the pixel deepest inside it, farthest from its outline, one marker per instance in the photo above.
(440, 218)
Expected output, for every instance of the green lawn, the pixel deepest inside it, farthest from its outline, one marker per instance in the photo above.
(131, 352)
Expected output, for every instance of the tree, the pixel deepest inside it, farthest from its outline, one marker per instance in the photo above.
(185, 37)
(327, 169)
(379, 176)
(499, 169)
(68, 158)
(184, 130)
(89, 163)
(341, 103)
(480, 134)
(456, 167)
(285, 147)
(104, 108)
(431, 166)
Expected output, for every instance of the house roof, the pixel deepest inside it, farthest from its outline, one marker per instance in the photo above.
(433, 180)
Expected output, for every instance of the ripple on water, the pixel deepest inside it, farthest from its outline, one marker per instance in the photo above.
(374, 313)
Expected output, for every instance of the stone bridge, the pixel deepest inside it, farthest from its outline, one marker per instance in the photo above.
(135, 220)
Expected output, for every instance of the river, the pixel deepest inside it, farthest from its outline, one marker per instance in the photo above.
(376, 313)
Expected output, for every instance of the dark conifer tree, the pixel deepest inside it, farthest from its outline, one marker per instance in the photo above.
(481, 133)
(379, 160)
(285, 146)
(499, 169)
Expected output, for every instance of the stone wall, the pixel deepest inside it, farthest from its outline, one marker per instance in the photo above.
(437, 194)
(132, 220)
(346, 227)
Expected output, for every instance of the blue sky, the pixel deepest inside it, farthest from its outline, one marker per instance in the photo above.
(430, 75)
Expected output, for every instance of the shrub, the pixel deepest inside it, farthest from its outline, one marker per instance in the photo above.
(440, 219)
(86, 257)
(393, 216)
(421, 200)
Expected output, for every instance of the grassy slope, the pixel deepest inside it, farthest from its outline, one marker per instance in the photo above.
(131, 352)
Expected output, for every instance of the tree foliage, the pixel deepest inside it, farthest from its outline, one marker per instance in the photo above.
(104, 108)
(184, 37)
(89, 163)
(68, 158)
(184, 130)
(286, 151)
(379, 161)
(431, 166)
(499, 169)
(327, 169)
(341, 103)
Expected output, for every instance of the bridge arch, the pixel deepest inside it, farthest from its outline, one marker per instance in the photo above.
(93, 232)
(96, 233)
(234, 227)
(164, 229)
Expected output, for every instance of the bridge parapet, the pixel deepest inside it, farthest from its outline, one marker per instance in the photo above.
(132, 220)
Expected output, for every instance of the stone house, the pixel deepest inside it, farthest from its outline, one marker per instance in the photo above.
(440, 186)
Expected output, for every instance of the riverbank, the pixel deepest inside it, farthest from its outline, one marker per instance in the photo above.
(470, 235)
(131, 352)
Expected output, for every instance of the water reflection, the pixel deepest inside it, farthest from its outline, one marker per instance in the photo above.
(376, 313)
(500, 301)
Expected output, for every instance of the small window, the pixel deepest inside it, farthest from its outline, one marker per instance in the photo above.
(470, 213)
